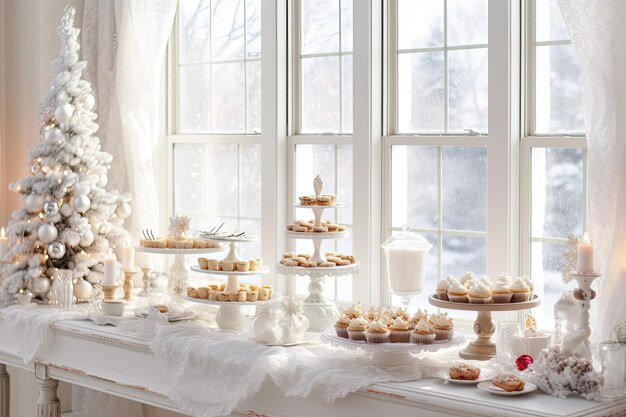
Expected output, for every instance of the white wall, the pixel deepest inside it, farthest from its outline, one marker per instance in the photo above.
(28, 44)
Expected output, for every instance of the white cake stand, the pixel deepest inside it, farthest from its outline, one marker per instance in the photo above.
(178, 273)
(390, 354)
(482, 348)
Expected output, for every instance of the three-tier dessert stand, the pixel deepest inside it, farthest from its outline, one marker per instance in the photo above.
(229, 316)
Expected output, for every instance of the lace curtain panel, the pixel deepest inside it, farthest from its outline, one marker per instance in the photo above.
(598, 32)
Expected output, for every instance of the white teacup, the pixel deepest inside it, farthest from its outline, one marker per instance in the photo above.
(111, 307)
(530, 345)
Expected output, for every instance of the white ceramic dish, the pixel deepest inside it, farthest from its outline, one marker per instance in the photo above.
(485, 375)
(487, 386)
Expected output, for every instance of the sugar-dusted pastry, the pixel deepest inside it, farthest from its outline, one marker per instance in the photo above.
(254, 287)
(288, 255)
(308, 225)
(301, 261)
(332, 227)
(508, 382)
(213, 264)
(244, 286)
(203, 263)
(213, 295)
(263, 294)
(312, 264)
(243, 266)
(170, 243)
(252, 296)
(299, 229)
(188, 244)
(342, 228)
(307, 200)
(464, 372)
(350, 258)
(289, 262)
(160, 244)
(343, 262)
(324, 200)
(222, 296)
(192, 292)
(241, 296)
(228, 266)
(270, 290)
(203, 292)
(254, 265)
(290, 226)
(332, 254)
(334, 259)
(327, 264)
(320, 229)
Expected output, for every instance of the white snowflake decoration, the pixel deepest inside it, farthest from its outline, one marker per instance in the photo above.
(179, 225)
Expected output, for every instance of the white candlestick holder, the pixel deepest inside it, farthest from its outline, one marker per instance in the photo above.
(577, 340)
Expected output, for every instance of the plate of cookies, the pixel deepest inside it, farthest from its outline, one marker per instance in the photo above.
(215, 294)
(507, 385)
(466, 374)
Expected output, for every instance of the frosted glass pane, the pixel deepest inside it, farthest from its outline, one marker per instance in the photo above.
(558, 90)
(420, 23)
(557, 192)
(464, 188)
(346, 25)
(253, 28)
(250, 180)
(319, 26)
(194, 30)
(195, 98)
(461, 254)
(254, 97)
(346, 97)
(228, 29)
(229, 109)
(468, 22)
(189, 178)
(414, 186)
(468, 90)
(252, 250)
(421, 92)
(320, 95)
(221, 185)
(549, 25)
(345, 184)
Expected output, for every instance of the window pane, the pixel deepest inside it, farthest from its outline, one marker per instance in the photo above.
(414, 186)
(320, 95)
(420, 23)
(249, 180)
(195, 98)
(319, 26)
(464, 188)
(227, 29)
(194, 30)
(421, 92)
(346, 96)
(549, 25)
(253, 28)
(254, 97)
(229, 110)
(558, 90)
(189, 178)
(467, 22)
(468, 85)
(557, 192)
(461, 254)
(346, 25)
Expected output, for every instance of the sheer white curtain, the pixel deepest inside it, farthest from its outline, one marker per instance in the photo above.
(598, 32)
(124, 42)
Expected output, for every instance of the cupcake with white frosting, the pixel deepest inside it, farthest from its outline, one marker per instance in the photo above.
(341, 326)
(443, 327)
(505, 277)
(419, 315)
(399, 331)
(487, 281)
(442, 289)
(520, 290)
(457, 293)
(423, 333)
(467, 278)
(479, 293)
(530, 284)
(501, 292)
(356, 328)
(377, 332)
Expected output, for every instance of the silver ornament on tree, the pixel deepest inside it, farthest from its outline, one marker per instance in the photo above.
(41, 285)
(50, 209)
(47, 233)
(123, 210)
(34, 203)
(56, 250)
(87, 239)
(81, 203)
(64, 112)
(82, 189)
(35, 168)
(52, 135)
(87, 103)
(83, 290)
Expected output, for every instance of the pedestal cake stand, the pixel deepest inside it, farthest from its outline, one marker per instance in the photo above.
(178, 273)
(482, 348)
(320, 312)
(229, 316)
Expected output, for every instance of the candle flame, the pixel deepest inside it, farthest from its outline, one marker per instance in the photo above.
(2, 232)
(586, 240)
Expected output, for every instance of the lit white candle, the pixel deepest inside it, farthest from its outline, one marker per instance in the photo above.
(128, 257)
(4, 243)
(109, 270)
(585, 255)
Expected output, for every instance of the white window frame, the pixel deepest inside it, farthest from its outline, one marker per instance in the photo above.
(271, 138)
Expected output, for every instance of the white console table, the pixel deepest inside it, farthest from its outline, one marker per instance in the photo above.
(104, 360)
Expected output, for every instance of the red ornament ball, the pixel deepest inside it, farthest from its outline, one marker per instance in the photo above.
(523, 361)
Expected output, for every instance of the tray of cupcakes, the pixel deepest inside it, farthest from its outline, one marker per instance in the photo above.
(149, 243)
(472, 293)
(216, 294)
(392, 330)
(224, 267)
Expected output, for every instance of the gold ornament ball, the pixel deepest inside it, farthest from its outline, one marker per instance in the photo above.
(123, 210)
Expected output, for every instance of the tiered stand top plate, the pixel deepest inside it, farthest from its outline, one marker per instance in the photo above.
(329, 336)
(434, 300)
(261, 271)
(319, 270)
(229, 303)
(317, 207)
(172, 251)
(231, 239)
(316, 235)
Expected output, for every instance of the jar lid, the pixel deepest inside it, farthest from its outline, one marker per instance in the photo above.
(407, 239)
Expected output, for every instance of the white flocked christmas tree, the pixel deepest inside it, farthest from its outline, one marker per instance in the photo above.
(69, 220)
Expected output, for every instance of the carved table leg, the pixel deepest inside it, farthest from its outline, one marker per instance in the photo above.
(48, 404)
(4, 391)
(482, 348)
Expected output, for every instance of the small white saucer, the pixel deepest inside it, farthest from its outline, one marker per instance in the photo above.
(487, 386)
(485, 375)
